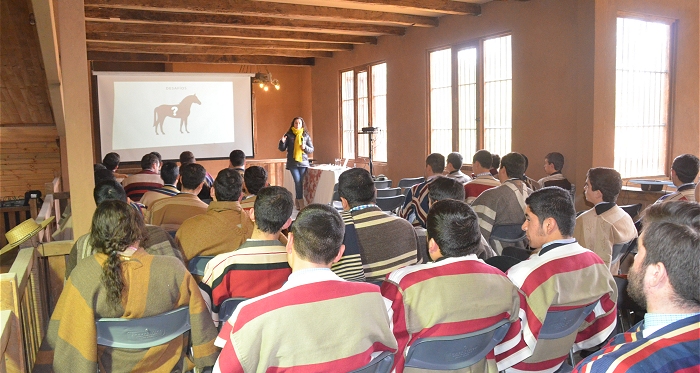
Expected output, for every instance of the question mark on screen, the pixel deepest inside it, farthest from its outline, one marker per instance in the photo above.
(174, 109)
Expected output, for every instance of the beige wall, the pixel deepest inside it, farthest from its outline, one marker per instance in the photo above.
(563, 81)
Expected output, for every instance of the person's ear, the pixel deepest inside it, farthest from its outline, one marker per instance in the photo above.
(212, 193)
(251, 214)
(290, 243)
(287, 224)
(346, 205)
(550, 225)
(433, 246)
(340, 254)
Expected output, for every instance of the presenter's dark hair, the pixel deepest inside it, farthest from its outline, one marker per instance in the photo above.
(555, 203)
(484, 158)
(318, 233)
(303, 124)
(191, 175)
(455, 228)
(228, 185)
(149, 161)
(607, 181)
(111, 161)
(169, 172)
(357, 187)
(273, 207)
(255, 178)
(237, 158)
(514, 164)
(445, 188)
(108, 190)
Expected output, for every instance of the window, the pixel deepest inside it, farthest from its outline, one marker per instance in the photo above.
(641, 97)
(480, 75)
(363, 104)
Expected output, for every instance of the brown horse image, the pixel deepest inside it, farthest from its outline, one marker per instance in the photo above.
(181, 110)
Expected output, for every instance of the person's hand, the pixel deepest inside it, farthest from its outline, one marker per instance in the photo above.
(284, 138)
(303, 146)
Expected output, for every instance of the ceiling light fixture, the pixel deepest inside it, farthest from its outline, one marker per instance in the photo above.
(264, 81)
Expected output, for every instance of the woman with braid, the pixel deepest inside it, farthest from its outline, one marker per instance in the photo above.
(122, 280)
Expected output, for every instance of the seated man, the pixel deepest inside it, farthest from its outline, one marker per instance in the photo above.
(148, 179)
(504, 204)
(237, 161)
(170, 213)
(415, 207)
(454, 168)
(316, 321)
(684, 170)
(605, 225)
(664, 278)
(553, 164)
(111, 162)
(224, 227)
(258, 266)
(482, 178)
(561, 275)
(426, 300)
(157, 241)
(376, 243)
(254, 179)
(169, 173)
(187, 157)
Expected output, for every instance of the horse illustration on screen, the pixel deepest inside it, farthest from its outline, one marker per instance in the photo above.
(181, 110)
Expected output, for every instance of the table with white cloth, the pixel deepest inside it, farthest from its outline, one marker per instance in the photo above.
(319, 181)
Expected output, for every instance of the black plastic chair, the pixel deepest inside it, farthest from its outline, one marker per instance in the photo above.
(502, 262)
(390, 203)
(380, 364)
(455, 352)
(559, 324)
(619, 250)
(227, 307)
(145, 332)
(632, 210)
(382, 184)
(628, 311)
(506, 235)
(516, 252)
(197, 264)
(388, 192)
(406, 183)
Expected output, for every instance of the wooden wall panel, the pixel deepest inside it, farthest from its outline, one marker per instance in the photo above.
(29, 158)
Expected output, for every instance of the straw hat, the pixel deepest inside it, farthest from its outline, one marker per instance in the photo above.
(24, 231)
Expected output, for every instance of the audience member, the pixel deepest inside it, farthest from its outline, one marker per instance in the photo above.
(415, 207)
(205, 194)
(122, 280)
(316, 321)
(553, 164)
(432, 300)
(531, 183)
(254, 179)
(258, 266)
(482, 178)
(170, 213)
(495, 164)
(454, 168)
(160, 160)
(684, 170)
(111, 162)
(169, 173)
(664, 279)
(147, 179)
(224, 227)
(156, 240)
(606, 224)
(376, 243)
(237, 161)
(102, 174)
(504, 204)
(559, 276)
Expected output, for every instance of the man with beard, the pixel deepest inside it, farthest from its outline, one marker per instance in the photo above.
(664, 279)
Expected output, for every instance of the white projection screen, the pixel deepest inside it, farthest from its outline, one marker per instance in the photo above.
(208, 114)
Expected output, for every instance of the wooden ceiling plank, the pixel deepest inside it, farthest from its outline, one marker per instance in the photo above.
(238, 21)
(193, 30)
(267, 9)
(217, 41)
(200, 49)
(200, 58)
(438, 6)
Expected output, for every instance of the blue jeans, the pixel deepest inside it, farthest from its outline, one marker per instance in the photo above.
(298, 177)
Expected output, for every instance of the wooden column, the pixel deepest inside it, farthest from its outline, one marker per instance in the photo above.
(70, 22)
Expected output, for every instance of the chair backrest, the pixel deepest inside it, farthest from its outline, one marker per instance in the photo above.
(502, 262)
(390, 203)
(632, 210)
(516, 252)
(563, 183)
(620, 249)
(227, 307)
(455, 352)
(559, 324)
(381, 184)
(197, 264)
(144, 332)
(380, 364)
(410, 181)
(508, 233)
(388, 192)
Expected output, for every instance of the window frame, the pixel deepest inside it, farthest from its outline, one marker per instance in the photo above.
(366, 68)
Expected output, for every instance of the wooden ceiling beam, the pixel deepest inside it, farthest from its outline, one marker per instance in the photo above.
(199, 58)
(216, 41)
(239, 21)
(200, 49)
(438, 6)
(267, 9)
(192, 30)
